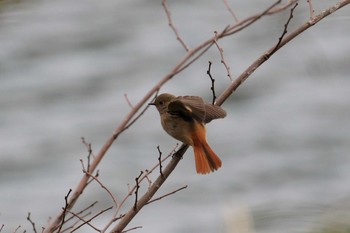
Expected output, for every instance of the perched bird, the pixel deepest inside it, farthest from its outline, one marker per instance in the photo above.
(184, 117)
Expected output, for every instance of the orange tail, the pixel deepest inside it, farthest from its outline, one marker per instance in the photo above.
(206, 159)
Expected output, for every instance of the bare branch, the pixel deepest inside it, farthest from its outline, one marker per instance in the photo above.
(228, 69)
(229, 30)
(212, 88)
(160, 161)
(77, 220)
(285, 27)
(103, 187)
(128, 101)
(88, 147)
(171, 24)
(133, 228)
(64, 209)
(19, 226)
(31, 222)
(250, 20)
(83, 210)
(312, 11)
(152, 190)
(168, 194)
(87, 222)
(149, 181)
(137, 189)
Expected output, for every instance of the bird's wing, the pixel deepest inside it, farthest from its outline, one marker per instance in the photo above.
(213, 112)
(194, 107)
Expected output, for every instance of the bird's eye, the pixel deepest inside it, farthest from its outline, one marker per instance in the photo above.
(161, 102)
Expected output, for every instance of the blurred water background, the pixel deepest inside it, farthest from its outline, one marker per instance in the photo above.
(66, 65)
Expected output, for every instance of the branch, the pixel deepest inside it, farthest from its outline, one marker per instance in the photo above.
(127, 100)
(114, 199)
(312, 11)
(137, 190)
(168, 194)
(285, 28)
(78, 218)
(79, 213)
(212, 88)
(171, 24)
(228, 69)
(160, 161)
(17, 228)
(87, 222)
(151, 191)
(89, 148)
(132, 190)
(65, 209)
(31, 222)
(133, 228)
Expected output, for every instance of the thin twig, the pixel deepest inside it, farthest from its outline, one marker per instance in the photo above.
(147, 178)
(77, 220)
(104, 187)
(19, 226)
(128, 101)
(133, 228)
(168, 194)
(171, 24)
(65, 209)
(89, 220)
(137, 190)
(89, 148)
(212, 88)
(221, 50)
(31, 222)
(160, 161)
(312, 11)
(285, 27)
(82, 211)
(250, 20)
(230, 10)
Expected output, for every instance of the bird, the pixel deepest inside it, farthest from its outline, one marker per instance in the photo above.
(184, 118)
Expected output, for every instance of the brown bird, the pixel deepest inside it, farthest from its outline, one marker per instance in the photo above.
(184, 117)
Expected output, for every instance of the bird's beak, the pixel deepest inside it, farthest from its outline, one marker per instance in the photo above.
(151, 103)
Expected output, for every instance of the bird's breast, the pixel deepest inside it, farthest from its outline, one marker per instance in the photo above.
(178, 128)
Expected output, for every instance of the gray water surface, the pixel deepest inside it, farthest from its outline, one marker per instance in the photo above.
(66, 65)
